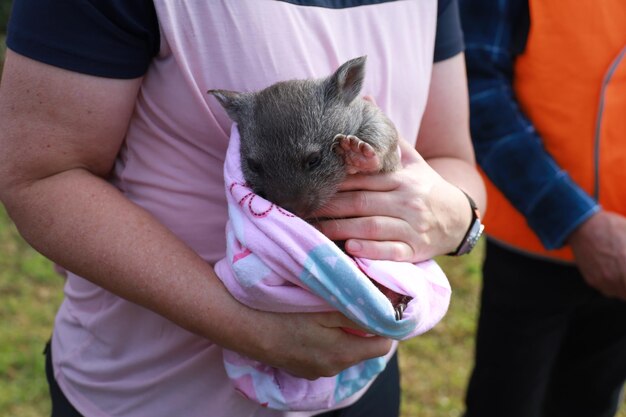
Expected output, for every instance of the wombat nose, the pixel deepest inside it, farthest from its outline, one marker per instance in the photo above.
(289, 206)
(291, 200)
(299, 208)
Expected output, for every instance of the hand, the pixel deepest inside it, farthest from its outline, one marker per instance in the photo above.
(409, 215)
(311, 345)
(599, 247)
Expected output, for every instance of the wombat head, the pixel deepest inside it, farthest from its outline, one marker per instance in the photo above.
(287, 135)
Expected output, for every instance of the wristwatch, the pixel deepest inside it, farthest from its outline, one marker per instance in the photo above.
(473, 233)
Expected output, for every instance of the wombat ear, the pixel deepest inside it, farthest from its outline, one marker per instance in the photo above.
(233, 102)
(347, 81)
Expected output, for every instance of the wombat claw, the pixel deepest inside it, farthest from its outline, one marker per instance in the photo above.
(358, 155)
(337, 142)
(399, 310)
(401, 306)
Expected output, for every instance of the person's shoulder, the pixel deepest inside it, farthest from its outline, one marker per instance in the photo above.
(112, 38)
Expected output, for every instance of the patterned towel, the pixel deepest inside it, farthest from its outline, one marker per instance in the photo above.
(278, 262)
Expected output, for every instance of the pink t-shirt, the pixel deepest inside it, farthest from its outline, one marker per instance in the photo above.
(113, 355)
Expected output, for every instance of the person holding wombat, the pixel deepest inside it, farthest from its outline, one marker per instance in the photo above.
(112, 167)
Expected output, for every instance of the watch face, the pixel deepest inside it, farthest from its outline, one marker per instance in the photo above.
(473, 233)
(472, 237)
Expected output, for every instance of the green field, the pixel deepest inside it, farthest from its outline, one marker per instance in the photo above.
(30, 293)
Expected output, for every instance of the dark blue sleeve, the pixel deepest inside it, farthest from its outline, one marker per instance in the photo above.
(108, 38)
(449, 37)
(508, 148)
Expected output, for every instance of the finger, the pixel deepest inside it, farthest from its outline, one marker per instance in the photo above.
(336, 319)
(363, 348)
(373, 346)
(620, 290)
(375, 182)
(609, 288)
(366, 228)
(380, 250)
(621, 294)
(409, 153)
(361, 204)
(610, 291)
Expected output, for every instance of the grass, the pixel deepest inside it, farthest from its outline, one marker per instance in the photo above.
(31, 293)
(434, 366)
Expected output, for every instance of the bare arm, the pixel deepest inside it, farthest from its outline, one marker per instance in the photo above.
(444, 139)
(418, 212)
(61, 132)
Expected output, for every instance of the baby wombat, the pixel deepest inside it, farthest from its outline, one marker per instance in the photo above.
(300, 138)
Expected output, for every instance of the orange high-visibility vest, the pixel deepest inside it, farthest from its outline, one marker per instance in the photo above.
(571, 82)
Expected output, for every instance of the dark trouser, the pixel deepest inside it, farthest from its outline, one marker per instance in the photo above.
(547, 344)
(381, 400)
(61, 407)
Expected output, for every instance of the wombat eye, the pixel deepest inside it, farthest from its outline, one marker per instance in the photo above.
(313, 160)
(254, 166)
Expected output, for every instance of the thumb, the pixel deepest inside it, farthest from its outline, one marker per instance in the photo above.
(337, 320)
(408, 153)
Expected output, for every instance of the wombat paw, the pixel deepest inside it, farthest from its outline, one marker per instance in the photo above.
(359, 156)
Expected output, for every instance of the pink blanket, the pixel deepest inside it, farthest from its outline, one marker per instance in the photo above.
(278, 262)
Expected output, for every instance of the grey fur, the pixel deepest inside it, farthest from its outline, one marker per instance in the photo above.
(285, 127)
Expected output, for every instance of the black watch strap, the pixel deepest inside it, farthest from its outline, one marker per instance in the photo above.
(473, 233)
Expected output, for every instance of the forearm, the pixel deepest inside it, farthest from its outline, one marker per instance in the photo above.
(552, 203)
(87, 226)
(444, 142)
(463, 175)
(512, 155)
(455, 210)
(508, 148)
